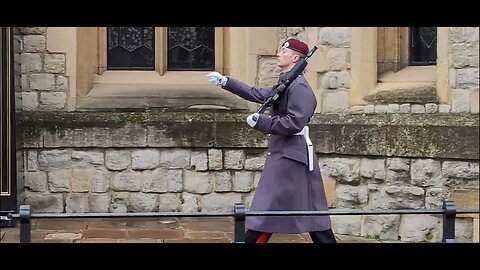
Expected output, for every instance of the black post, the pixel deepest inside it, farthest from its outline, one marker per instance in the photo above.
(25, 225)
(449, 222)
(239, 210)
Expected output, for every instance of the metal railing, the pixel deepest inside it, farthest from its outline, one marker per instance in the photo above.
(448, 211)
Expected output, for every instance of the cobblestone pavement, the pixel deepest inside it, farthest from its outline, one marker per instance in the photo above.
(137, 230)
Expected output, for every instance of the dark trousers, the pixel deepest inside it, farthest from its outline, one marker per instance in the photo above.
(326, 236)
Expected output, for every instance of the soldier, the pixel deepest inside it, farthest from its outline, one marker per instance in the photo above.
(291, 178)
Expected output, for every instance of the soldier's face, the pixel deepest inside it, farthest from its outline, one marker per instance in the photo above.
(286, 57)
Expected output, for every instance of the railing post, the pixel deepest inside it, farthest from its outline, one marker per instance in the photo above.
(25, 224)
(449, 215)
(239, 210)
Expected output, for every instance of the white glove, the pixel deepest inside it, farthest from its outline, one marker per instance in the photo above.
(216, 78)
(252, 119)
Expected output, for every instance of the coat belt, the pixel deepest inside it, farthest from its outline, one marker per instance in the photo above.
(305, 133)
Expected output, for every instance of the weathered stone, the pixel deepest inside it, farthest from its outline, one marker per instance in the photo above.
(395, 197)
(44, 203)
(189, 202)
(175, 158)
(380, 108)
(215, 159)
(101, 181)
(471, 34)
(219, 202)
(400, 135)
(81, 179)
(431, 108)
(76, 203)
(335, 36)
(467, 77)
(393, 108)
(463, 230)
(43, 82)
(142, 202)
(426, 172)
(369, 108)
(351, 196)
(127, 136)
(336, 101)
(465, 55)
(347, 225)
(221, 180)
(98, 203)
(85, 159)
(154, 181)
(119, 202)
(127, 181)
(460, 169)
(50, 160)
(145, 159)
(343, 170)
(356, 109)
(117, 160)
(179, 133)
(418, 108)
(31, 62)
(373, 169)
(434, 197)
(255, 163)
(59, 180)
(32, 161)
(234, 159)
(32, 30)
(55, 63)
(267, 66)
(174, 180)
(380, 227)
(199, 160)
(34, 43)
(338, 59)
(61, 83)
(169, 203)
(405, 93)
(243, 181)
(457, 34)
(53, 100)
(36, 181)
(420, 228)
(405, 108)
(29, 101)
(197, 182)
(444, 108)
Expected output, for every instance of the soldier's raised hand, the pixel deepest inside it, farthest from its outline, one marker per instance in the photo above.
(216, 78)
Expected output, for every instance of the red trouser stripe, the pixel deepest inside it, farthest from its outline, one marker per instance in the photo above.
(263, 238)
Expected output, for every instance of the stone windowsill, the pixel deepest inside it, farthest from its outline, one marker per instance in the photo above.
(413, 84)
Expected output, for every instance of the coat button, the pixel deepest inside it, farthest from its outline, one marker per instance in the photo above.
(268, 154)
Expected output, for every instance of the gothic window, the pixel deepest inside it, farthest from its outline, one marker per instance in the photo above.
(130, 48)
(423, 46)
(191, 48)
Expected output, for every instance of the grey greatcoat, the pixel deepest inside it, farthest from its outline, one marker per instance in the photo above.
(286, 182)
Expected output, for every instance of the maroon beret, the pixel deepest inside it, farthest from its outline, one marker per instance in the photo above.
(296, 45)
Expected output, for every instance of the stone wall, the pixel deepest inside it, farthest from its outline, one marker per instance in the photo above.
(374, 156)
(463, 69)
(43, 82)
(119, 162)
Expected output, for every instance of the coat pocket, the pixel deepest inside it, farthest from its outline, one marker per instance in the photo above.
(296, 155)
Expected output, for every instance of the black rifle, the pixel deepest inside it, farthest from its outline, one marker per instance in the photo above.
(289, 78)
